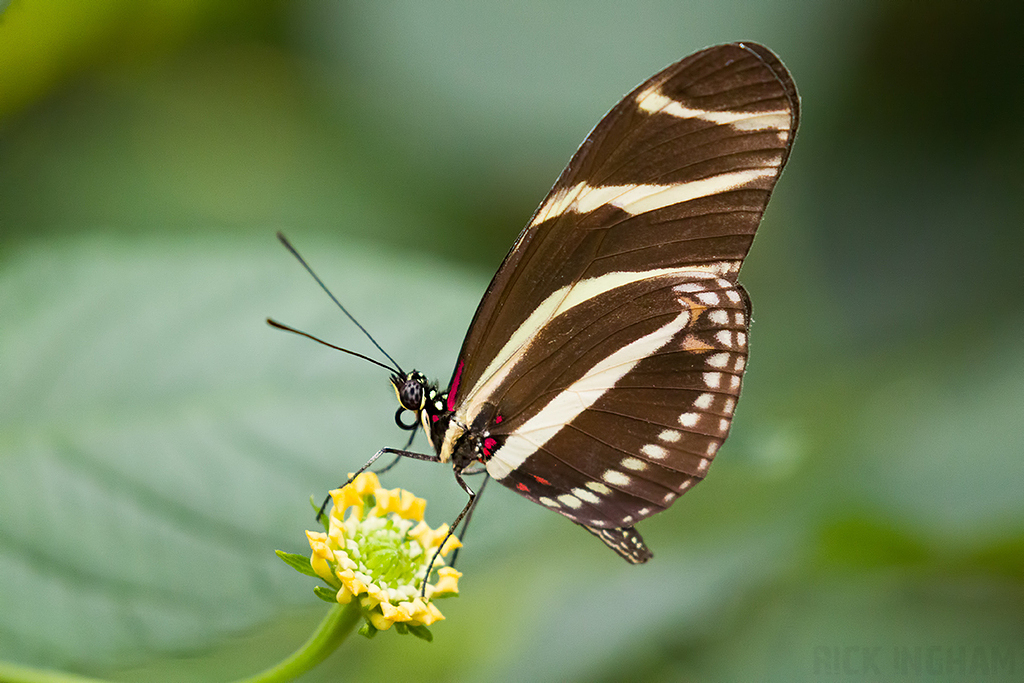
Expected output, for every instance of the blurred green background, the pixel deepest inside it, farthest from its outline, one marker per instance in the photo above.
(158, 441)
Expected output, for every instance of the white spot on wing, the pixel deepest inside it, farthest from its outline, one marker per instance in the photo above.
(704, 401)
(586, 495)
(635, 464)
(712, 379)
(617, 478)
(709, 298)
(719, 317)
(689, 419)
(544, 500)
(598, 487)
(570, 501)
(718, 360)
(669, 435)
(653, 450)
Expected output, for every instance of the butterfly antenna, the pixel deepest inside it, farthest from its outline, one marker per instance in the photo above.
(344, 310)
(282, 326)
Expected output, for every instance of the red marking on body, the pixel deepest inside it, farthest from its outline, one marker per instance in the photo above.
(454, 388)
(542, 480)
(522, 487)
(435, 418)
(490, 443)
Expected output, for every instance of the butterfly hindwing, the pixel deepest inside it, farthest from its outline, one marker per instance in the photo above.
(614, 438)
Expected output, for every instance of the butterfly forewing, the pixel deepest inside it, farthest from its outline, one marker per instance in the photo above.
(676, 175)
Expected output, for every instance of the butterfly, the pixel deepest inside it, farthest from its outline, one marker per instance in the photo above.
(600, 374)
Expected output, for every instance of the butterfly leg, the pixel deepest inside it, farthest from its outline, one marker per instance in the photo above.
(384, 451)
(467, 510)
(469, 515)
(408, 445)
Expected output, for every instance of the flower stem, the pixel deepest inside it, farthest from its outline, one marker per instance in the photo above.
(331, 633)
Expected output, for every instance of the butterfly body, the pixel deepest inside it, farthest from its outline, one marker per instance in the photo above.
(601, 371)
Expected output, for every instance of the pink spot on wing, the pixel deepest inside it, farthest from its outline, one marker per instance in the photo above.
(454, 388)
(542, 480)
(498, 419)
(522, 487)
(435, 418)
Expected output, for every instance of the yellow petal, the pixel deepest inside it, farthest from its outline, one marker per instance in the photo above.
(414, 610)
(379, 621)
(343, 499)
(427, 537)
(447, 581)
(390, 612)
(387, 501)
(366, 484)
(351, 581)
(433, 614)
(412, 507)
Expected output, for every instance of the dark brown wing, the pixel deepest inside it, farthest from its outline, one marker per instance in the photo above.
(677, 174)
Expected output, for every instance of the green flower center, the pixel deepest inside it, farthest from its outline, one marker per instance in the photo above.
(389, 556)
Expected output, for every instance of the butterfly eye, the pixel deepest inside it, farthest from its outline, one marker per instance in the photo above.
(410, 394)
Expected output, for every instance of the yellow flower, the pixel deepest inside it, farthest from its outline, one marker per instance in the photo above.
(376, 550)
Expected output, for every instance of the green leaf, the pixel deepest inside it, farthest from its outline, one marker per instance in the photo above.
(326, 594)
(299, 563)
(421, 632)
(368, 630)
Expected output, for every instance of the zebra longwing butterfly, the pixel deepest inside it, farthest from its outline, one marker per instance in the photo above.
(601, 371)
